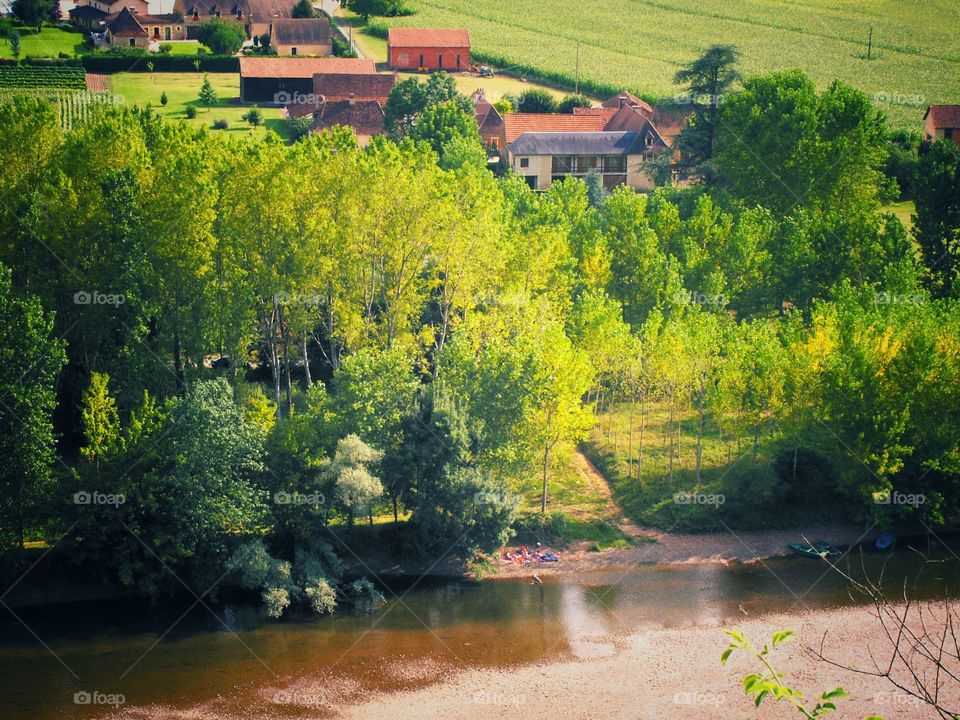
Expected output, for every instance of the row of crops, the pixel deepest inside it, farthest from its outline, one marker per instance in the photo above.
(41, 76)
(75, 107)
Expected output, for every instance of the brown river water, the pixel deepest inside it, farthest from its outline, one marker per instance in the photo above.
(128, 659)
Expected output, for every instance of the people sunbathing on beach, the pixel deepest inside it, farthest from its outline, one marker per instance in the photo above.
(525, 556)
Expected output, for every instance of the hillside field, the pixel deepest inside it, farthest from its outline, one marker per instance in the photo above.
(639, 44)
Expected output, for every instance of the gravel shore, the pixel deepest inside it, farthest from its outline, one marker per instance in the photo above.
(667, 673)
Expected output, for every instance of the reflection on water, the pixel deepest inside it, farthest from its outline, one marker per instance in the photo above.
(163, 658)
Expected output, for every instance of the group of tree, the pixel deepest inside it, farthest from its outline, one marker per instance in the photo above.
(257, 345)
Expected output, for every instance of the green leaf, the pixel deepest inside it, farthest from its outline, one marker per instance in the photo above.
(726, 655)
(835, 693)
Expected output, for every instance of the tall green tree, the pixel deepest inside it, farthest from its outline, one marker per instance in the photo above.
(31, 361)
(937, 220)
(708, 81)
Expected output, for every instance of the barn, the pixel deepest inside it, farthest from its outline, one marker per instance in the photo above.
(428, 49)
(282, 79)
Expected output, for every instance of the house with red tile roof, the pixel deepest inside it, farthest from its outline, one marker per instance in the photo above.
(489, 124)
(334, 87)
(135, 29)
(619, 140)
(364, 117)
(942, 121)
(280, 80)
(301, 36)
(426, 49)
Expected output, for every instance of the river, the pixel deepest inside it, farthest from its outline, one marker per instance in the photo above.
(221, 660)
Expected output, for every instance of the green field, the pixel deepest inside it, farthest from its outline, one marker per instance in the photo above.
(49, 42)
(183, 89)
(639, 44)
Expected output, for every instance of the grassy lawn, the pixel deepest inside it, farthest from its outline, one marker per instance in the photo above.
(733, 490)
(640, 44)
(183, 89)
(49, 42)
(183, 47)
(903, 210)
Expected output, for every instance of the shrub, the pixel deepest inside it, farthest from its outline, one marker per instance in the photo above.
(222, 37)
(220, 124)
(536, 101)
(208, 95)
(254, 116)
(165, 48)
(191, 111)
(570, 102)
(299, 127)
(163, 99)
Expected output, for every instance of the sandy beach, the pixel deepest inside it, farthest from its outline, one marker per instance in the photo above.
(666, 673)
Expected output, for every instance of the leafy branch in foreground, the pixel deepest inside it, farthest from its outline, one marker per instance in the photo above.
(768, 682)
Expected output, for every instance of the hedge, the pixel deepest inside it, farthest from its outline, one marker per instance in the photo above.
(138, 63)
(161, 63)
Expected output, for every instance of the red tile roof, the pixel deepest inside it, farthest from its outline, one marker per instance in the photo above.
(428, 38)
(944, 116)
(126, 25)
(293, 67)
(602, 111)
(364, 116)
(516, 124)
(626, 98)
(363, 86)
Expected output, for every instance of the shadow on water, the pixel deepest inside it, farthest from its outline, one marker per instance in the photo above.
(176, 656)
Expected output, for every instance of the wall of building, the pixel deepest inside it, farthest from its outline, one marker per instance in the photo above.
(280, 49)
(265, 90)
(433, 58)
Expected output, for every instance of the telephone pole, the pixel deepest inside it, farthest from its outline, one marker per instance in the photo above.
(577, 83)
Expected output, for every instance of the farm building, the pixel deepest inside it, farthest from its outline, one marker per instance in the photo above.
(281, 80)
(301, 36)
(428, 49)
(354, 100)
(942, 121)
(364, 117)
(489, 124)
(197, 12)
(621, 158)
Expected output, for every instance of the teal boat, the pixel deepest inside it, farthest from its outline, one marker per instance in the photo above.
(817, 549)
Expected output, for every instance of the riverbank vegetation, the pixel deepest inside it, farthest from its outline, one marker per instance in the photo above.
(225, 353)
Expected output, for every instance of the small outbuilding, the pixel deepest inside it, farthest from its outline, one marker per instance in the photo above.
(425, 49)
(301, 36)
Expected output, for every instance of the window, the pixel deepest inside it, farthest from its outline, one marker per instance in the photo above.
(649, 141)
(458, 61)
(293, 51)
(494, 143)
(948, 133)
(524, 162)
(196, 15)
(615, 164)
(440, 60)
(166, 33)
(586, 163)
(562, 164)
(133, 42)
(421, 60)
(218, 12)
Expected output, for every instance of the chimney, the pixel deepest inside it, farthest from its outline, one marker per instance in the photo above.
(623, 100)
(352, 99)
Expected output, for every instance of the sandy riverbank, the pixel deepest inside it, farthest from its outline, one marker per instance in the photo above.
(654, 546)
(666, 673)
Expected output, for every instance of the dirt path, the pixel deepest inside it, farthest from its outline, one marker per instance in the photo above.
(599, 483)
